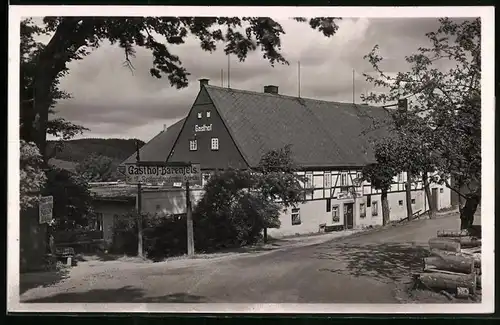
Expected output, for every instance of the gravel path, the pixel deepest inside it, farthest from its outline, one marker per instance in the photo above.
(363, 268)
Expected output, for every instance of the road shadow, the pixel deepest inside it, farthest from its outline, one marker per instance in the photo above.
(386, 262)
(33, 280)
(127, 294)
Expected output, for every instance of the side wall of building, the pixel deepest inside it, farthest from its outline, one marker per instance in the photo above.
(110, 209)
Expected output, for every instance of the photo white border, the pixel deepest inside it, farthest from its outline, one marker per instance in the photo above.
(16, 13)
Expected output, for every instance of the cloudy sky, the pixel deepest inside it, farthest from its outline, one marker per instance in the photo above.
(114, 102)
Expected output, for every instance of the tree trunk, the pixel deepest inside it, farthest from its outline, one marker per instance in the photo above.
(469, 209)
(452, 233)
(449, 263)
(449, 282)
(409, 210)
(444, 254)
(386, 217)
(444, 244)
(51, 61)
(467, 242)
(265, 235)
(432, 208)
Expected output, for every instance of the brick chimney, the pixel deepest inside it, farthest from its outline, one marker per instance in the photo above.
(271, 89)
(203, 82)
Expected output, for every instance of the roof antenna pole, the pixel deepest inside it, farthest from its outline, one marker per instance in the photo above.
(299, 77)
(353, 91)
(228, 72)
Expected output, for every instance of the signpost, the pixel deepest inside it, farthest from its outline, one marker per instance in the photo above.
(45, 207)
(167, 173)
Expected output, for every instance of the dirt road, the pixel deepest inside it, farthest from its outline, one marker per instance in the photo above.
(362, 268)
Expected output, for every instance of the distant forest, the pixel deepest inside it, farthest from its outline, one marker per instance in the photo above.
(76, 151)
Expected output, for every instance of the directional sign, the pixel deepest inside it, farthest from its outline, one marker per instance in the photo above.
(45, 207)
(140, 173)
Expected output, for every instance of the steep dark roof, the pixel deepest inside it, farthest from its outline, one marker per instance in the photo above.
(158, 148)
(321, 133)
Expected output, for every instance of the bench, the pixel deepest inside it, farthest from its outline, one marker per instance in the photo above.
(65, 253)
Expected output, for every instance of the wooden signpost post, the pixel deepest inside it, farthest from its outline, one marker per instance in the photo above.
(143, 172)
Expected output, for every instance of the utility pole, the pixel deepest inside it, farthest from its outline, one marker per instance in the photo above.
(140, 251)
(298, 78)
(228, 71)
(189, 220)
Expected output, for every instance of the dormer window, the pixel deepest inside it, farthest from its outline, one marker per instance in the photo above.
(208, 114)
(200, 115)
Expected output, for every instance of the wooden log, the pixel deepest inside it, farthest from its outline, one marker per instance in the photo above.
(450, 263)
(462, 293)
(444, 244)
(467, 242)
(452, 233)
(448, 282)
(441, 253)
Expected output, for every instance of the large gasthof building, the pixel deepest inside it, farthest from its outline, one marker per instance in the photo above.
(229, 128)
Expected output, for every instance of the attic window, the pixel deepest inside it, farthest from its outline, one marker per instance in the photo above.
(200, 115)
(208, 114)
(193, 145)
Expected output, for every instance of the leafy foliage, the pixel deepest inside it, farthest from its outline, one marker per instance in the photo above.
(72, 199)
(442, 129)
(238, 205)
(96, 168)
(32, 176)
(73, 38)
(29, 51)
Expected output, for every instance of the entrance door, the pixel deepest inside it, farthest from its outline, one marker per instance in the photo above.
(435, 198)
(349, 215)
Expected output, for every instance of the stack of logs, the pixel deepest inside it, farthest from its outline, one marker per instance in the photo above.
(454, 266)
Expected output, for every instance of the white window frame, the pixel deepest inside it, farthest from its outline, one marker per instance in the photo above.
(214, 144)
(374, 208)
(193, 145)
(362, 210)
(296, 213)
(335, 212)
(328, 180)
(205, 177)
(309, 181)
(343, 179)
(208, 114)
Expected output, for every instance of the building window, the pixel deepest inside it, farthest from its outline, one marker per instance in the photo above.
(343, 179)
(335, 214)
(400, 202)
(309, 180)
(97, 223)
(441, 190)
(215, 144)
(177, 184)
(375, 208)
(208, 114)
(358, 176)
(328, 205)
(412, 201)
(193, 145)
(362, 210)
(368, 201)
(205, 177)
(296, 217)
(328, 180)
(200, 115)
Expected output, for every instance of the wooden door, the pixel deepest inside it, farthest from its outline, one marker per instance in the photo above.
(349, 215)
